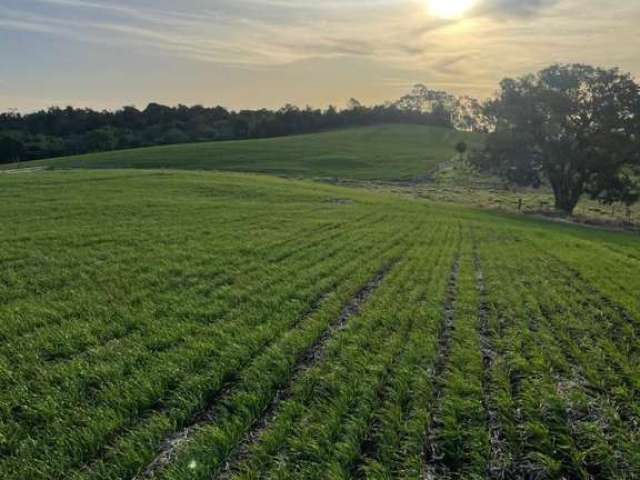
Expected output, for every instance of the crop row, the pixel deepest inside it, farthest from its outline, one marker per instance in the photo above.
(337, 410)
(173, 383)
(560, 380)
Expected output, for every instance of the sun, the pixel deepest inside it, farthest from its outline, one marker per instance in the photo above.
(450, 8)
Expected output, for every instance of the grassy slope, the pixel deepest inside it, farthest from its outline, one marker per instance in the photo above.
(388, 152)
(381, 152)
(129, 300)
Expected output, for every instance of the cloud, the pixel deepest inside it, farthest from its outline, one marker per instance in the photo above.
(514, 8)
(501, 37)
(263, 33)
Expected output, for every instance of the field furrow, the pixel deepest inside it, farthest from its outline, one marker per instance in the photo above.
(305, 360)
(335, 427)
(192, 326)
(549, 362)
(496, 449)
(275, 392)
(211, 353)
(432, 455)
(43, 346)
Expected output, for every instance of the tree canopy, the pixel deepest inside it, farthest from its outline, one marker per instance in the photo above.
(576, 127)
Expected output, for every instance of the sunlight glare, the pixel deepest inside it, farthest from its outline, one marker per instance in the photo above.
(450, 8)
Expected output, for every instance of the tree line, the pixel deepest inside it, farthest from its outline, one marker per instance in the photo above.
(66, 131)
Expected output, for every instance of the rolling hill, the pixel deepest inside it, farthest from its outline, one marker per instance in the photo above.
(387, 152)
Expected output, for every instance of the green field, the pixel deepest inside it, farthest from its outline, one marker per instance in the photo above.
(368, 157)
(382, 153)
(199, 325)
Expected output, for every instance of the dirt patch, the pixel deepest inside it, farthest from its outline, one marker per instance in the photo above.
(15, 171)
(339, 201)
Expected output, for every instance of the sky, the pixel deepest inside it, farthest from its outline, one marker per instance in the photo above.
(267, 53)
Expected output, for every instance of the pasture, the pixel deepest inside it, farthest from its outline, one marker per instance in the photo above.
(386, 152)
(414, 159)
(199, 325)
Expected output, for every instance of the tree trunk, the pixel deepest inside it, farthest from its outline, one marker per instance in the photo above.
(566, 204)
(567, 192)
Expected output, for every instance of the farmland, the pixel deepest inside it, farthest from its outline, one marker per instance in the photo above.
(419, 160)
(197, 325)
(385, 152)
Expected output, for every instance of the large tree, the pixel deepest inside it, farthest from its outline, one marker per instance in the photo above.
(575, 126)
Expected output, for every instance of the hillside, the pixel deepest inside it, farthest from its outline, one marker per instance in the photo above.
(205, 325)
(386, 152)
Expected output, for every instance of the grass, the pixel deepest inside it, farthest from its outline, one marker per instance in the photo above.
(387, 152)
(417, 160)
(245, 326)
(455, 181)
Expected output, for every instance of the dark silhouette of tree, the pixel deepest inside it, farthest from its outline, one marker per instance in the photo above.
(11, 150)
(575, 126)
(463, 113)
(622, 188)
(461, 148)
(102, 139)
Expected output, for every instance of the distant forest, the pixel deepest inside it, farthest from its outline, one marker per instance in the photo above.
(70, 131)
